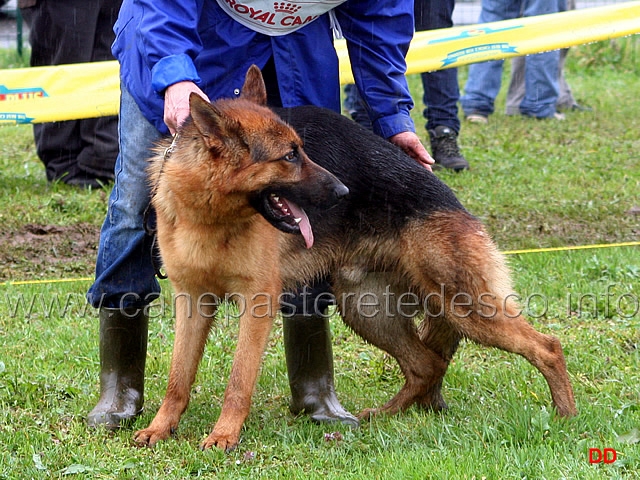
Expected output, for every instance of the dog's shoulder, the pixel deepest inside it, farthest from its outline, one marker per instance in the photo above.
(379, 175)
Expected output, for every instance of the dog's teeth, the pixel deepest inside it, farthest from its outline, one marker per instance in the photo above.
(297, 220)
(276, 198)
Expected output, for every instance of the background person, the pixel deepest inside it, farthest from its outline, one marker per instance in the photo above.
(77, 152)
(541, 70)
(516, 91)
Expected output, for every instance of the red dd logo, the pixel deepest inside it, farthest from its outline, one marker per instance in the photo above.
(608, 455)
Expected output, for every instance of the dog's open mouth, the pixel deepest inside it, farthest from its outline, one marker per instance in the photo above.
(288, 217)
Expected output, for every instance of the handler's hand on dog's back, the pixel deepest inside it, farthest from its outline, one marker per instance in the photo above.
(412, 146)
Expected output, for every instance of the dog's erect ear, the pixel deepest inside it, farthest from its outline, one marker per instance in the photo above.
(254, 88)
(214, 126)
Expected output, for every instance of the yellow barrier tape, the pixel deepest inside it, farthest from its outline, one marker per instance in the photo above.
(569, 248)
(457, 46)
(507, 252)
(67, 92)
(63, 92)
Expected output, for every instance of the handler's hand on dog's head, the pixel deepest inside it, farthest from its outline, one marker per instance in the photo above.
(176, 103)
(412, 146)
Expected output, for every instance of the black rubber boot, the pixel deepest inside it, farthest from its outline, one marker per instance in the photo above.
(123, 351)
(307, 346)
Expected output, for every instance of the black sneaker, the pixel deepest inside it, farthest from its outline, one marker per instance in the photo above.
(445, 150)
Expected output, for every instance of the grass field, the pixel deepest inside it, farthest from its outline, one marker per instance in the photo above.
(536, 184)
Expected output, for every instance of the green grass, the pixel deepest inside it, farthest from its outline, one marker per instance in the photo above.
(11, 59)
(535, 184)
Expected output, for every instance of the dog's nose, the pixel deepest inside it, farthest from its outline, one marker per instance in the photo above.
(340, 191)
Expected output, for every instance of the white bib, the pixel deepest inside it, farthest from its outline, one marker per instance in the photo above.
(276, 18)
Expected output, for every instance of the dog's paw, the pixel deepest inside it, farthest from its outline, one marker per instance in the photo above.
(149, 437)
(223, 442)
(368, 413)
(433, 402)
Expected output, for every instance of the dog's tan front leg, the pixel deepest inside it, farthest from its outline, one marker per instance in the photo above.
(255, 325)
(192, 328)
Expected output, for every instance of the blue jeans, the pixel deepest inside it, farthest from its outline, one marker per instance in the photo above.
(125, 274)
(541, 70)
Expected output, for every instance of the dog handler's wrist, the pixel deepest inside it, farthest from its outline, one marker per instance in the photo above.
(390, 125)
(173, 69)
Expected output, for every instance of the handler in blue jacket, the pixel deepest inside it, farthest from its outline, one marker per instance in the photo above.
(167, 50)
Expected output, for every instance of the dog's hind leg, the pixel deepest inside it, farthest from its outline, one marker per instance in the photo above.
(382, 314)
(478, 294)
(440, 337)
(508, 330)
(193, 322)
(496, 320)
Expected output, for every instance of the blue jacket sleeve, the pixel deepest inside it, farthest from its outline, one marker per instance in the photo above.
(168, 40)
(378, 35)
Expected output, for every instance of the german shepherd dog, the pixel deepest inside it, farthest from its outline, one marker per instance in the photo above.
(397, 246)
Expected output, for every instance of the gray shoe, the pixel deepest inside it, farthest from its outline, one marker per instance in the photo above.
(445, 150)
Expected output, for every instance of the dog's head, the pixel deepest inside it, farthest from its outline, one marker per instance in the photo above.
(261, 159)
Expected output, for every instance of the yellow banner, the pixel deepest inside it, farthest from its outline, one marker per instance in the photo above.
(63, 92)
(453, 47)
(66, 92)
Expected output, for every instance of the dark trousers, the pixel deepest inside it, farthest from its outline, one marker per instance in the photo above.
(65, 32)
(441, 91)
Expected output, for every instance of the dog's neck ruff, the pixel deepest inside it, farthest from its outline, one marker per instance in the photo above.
(275, 18)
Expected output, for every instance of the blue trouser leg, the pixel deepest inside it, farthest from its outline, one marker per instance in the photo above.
(484, 81)
(441, 96)
(125, 275)
(541, 85)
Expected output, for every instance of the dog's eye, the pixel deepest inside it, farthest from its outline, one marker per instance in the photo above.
(292, 156)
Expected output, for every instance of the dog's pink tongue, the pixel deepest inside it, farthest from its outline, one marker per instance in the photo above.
(304, 224)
